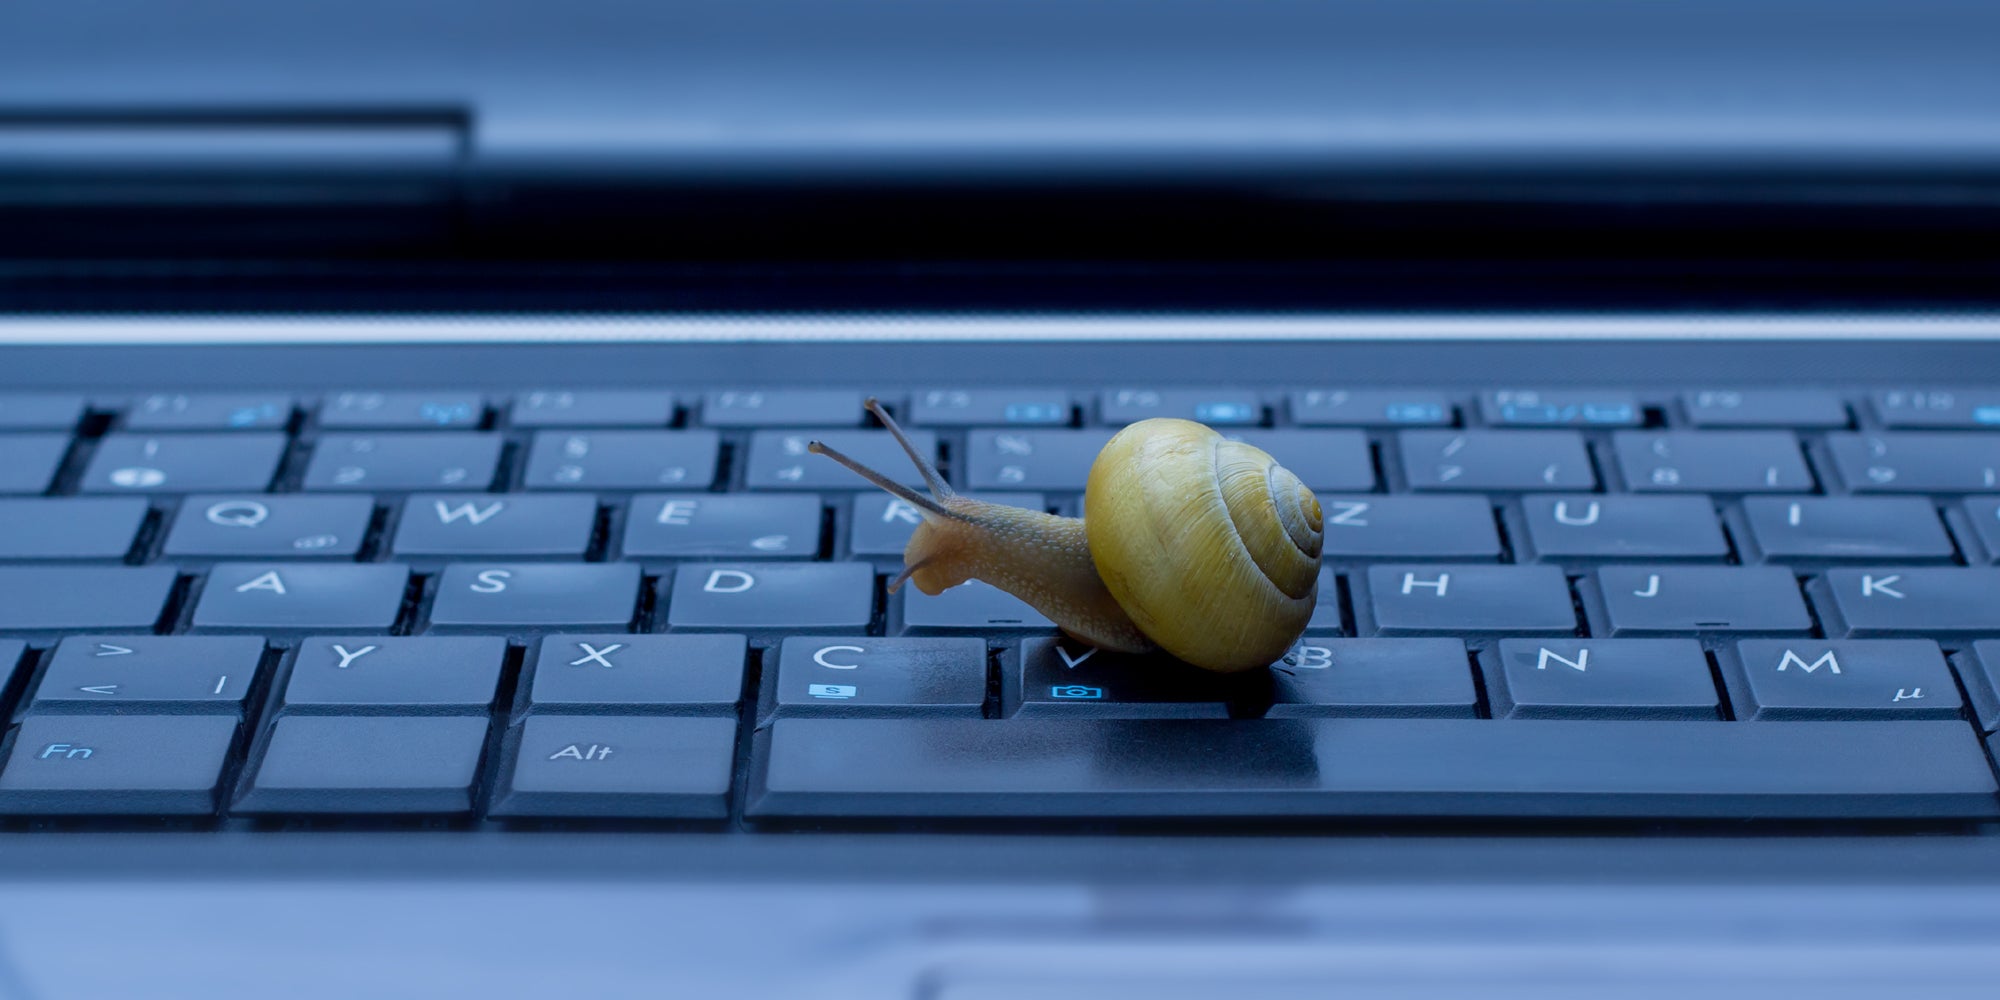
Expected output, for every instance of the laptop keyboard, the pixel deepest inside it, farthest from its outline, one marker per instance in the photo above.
(612, 605)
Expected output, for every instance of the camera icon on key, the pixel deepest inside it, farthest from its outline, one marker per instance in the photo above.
(1077, 692)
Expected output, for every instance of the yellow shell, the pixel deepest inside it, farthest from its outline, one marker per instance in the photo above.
(1209, 545)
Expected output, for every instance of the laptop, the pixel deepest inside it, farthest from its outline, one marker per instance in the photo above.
(416, 577)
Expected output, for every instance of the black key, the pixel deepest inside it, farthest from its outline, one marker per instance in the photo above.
(684, 674)
(1323, 460)
(709, 525)
(1406, 527)
(1600, 679)
(1561, 408)
(427, 674)
(858, 677)
(38, 411)
(131, 765)
(593, 408)
(974, 606)
(367, 764)
(1372, 408)
(404, 462)
(150, 673)
(1468, 600)
(1496, 460)
(1980, 529)
(280, 527)
(325, 597)
(1667, 600)
(573, 595)
(819, 597)
(782, 408)
(1582, 527)
(779, 459)
(1865, 679)
(1917, 463)
(1064, 679)
(1847, 529)
(1712, 462)
(1031, 460)
(622, 460)
(1867, 603)
(1938, 408)
(28, 462)
(1205, 769)
(1978, 666)
(184, 463)
(1396, 678)
(550, 527)
(1214, 407)
(69, 528)
(619, 767)
(990, 408)
(379, 411)
(1812, 408)
(210, 412)
(882, 523)
(78, 598)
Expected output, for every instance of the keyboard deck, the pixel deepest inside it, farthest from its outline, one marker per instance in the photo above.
(556, 606)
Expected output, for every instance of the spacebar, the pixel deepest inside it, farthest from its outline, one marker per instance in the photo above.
(1197, 769)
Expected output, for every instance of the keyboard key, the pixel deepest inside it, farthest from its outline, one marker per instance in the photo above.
(1712, 462)
(69, 528)
(622, 460)
(1978, 667)
(858, 677)
(882, 523)
(1392, 678)
(782, 408)
(211, 412)
(1867, 603)
(550, 527)
(28, 462)
(989, 408)
(1937, 408)
(1064, 679)
(1468, 600)
(1562, 408)
(685, 674)
(1496, 460)
(1055, 461)
(324, 597)
(1372, 408)
(37, 411)
(779, 460)
(404, 462)
(708, 525)
(1804, 408)
(1666, 600)
(1325, 618)
(1847, 529)
(1407, 527)
(1214, 407)
(619, 767)
(974, 606)
(1600, 679)
(593, 408)
(1579, 527)
(367, 764)
(184, 463)
(150, 673)
(428, 674)
(819, 597)
(381, 411)
(1979, 529)
(1917, 463)
(1323, 460)
(11, 651)
(1866, 679)
(276, 527)
(572, 595)
(131, 765)
(79, 598)
(1206, 769)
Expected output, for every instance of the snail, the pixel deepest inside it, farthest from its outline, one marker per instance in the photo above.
(1190, 543)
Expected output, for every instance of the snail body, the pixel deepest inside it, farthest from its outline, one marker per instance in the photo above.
(1191, 543)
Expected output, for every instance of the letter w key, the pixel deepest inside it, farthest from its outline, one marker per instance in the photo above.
(550, 527)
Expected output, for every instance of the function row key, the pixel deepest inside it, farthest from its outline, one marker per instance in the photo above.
(1938, 409)
(235, 411)
(372, 411)
(40, 411)
(1060, 461)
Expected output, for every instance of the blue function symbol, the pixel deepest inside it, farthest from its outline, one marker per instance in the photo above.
(1035, 413)
(1413, 413)
(1077, 692)
(1986, 414)
(1568, 413)
(836, 692)
(251, 416)
(445, 414)
(1225, 413)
